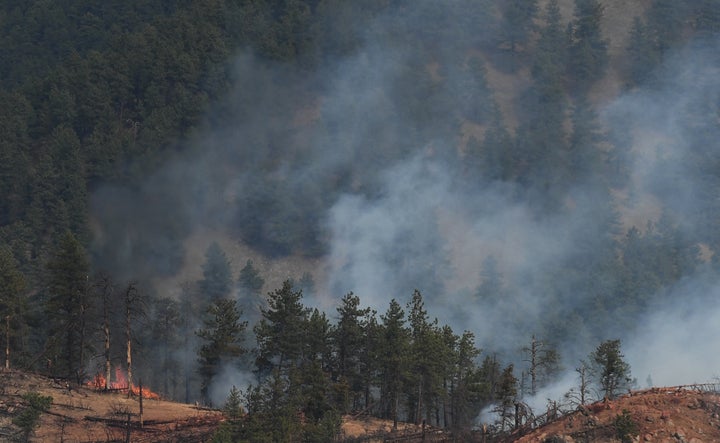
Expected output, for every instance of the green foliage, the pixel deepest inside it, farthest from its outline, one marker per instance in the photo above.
(217, 277)
(349, 338)
(587, 50)
(66, 305)
(280, 332)
(29, 418)
(626, 428)
(223, 336)
(611, 371)
(518, 21)
(506, 396)
(643, 52)
(13, 304)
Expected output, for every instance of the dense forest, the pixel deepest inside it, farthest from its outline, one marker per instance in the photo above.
(498, 188)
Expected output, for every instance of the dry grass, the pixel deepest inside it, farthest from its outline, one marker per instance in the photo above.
(86, 415)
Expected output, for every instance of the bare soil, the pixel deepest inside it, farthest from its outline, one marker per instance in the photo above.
(688, 414)
(87, 415)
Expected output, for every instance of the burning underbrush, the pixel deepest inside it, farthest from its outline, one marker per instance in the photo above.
(101, 383)
(92, 413)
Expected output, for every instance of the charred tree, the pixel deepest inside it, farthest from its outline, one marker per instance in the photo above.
(133, 308)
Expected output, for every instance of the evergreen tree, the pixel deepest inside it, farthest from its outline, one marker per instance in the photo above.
(666, 20)
(643, 52)
(250, 284)
(539, 157)
(348, 341)
(166, 337)
(588, 153)
(12, 303)
(395, 346)
(612, 372)
(425, 361)
(67, 306)
(223, 336)
(280, 332)
(587, 58)
(518, 22)
(506, 397)
(217, 277)
(465, 390)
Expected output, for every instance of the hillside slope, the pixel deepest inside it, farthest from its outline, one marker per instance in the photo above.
(88, 415)
(679, 414)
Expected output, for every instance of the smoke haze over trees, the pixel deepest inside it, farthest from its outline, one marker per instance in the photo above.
(526, 170)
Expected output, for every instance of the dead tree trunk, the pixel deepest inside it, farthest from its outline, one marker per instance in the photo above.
(7, 342)
(131, 300)
(106, 293)
(128, 338)
(141, 403)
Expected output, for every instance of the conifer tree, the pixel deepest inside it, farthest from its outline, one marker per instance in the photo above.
(395, 345)
(518, 23)
(506, 397)
(12, 304)
(67, 306)
(250, 284)
(223, 337)
(217, 277)
(643, 52)
(611, 371)
(280, 332)
(587, 58)
(348, 341)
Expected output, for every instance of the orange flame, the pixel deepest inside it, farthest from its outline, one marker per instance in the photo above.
(120, 383)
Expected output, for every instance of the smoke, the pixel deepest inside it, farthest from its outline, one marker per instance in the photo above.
(369, 142)
(228, 377)
(674, 343)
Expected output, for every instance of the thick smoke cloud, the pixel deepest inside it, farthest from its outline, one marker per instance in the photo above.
(402, 214)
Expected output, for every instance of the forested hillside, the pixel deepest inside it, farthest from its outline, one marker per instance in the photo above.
(475, 177)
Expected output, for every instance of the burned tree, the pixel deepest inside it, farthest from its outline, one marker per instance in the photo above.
(134, 307)
(543, 361)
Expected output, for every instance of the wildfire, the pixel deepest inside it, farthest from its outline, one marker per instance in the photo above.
(120, 384)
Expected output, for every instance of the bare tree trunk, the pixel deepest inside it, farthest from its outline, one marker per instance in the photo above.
(107, 290)
(80, 372)
(130, 298)
(7, 342)
(141, 403)
(418, 411)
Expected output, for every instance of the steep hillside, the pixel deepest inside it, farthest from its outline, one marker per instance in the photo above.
(678, 414)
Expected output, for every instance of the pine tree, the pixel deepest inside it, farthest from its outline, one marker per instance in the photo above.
(506, 397)
(280, 331)
(395, 346)
(348, 341)
(217, 277)
(223, 337)
(465, 391)
(165, 333)
(588, 153)
(644, 54)
(588, 59)
(518, 23)
(540, 148)
(67, 306)
(12, 304)
(425, 360)
(612, 372)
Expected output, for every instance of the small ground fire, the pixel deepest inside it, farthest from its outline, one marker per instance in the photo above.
(120, 384)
